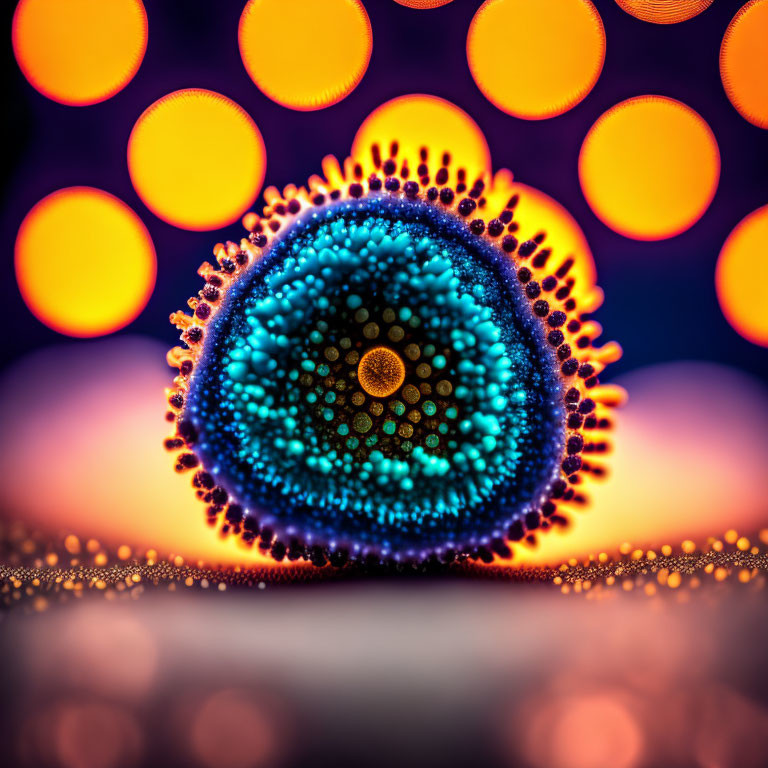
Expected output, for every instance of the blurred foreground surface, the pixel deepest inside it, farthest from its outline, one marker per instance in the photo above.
(394, 673)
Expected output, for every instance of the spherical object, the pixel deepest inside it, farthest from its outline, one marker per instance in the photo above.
(373, 374)
(649, 167)
(416, 121)
(79, 52)
(273, 413)
(535, 60)
(744, 62)
(664, 11)
(741, 277)
(85, 263)
(196, 159)
(276, 43)
(381, 372)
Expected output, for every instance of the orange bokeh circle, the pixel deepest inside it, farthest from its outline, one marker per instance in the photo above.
(419, 120)
(649, 167)
(664, 11)
(79, 52)
(196, 159)
(277, 40)
(744, 62)
(85, 263)
(741, 277)
(554, 63)
(423, 4)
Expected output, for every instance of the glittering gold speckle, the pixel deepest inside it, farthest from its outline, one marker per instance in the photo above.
(410, 394)
(405, 430)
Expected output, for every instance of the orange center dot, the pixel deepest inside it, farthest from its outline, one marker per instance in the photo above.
(196, 159)
(79, 52)
(381, 372)
(85, 263)
(419, 121)
(744, 62)
(305, 54)
(649, 167)
(535, 60)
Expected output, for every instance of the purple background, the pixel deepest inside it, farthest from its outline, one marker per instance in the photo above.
(660, 297)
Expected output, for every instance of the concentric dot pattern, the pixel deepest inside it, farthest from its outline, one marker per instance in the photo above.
(277, 38)
(664, 11)
(744, 62)
(196, 159)
(471, 441)
(536, 60)
(79, 52)
(649, 167)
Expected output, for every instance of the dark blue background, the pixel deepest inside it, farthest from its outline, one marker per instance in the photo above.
(660, 297)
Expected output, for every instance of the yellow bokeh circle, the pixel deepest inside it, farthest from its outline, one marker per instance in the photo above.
(649, 167)
(741, 277)
(419, 121)
(79, 52)
(537, 213)
(305, 54)
(744, 62)
(664, 11)
(196, 159)
(85, 263)
(535, 60)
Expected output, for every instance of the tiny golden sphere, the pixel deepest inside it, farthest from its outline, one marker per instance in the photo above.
(381, 372)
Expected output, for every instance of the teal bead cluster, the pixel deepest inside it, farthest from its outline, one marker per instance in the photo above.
(469, 443)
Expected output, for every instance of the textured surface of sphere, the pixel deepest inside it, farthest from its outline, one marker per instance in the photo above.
(383, 372)
(379, 380)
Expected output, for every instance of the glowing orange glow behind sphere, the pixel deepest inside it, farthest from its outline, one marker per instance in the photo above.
(419, 120)
(196, 159)
(649, 167)
(79, 52)
(683, 465)
(537, 212)
(276, 40)
(664, 11)
(82, 446)
(741, 277)
(85, 263)
(744, 62)
(535, 60)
